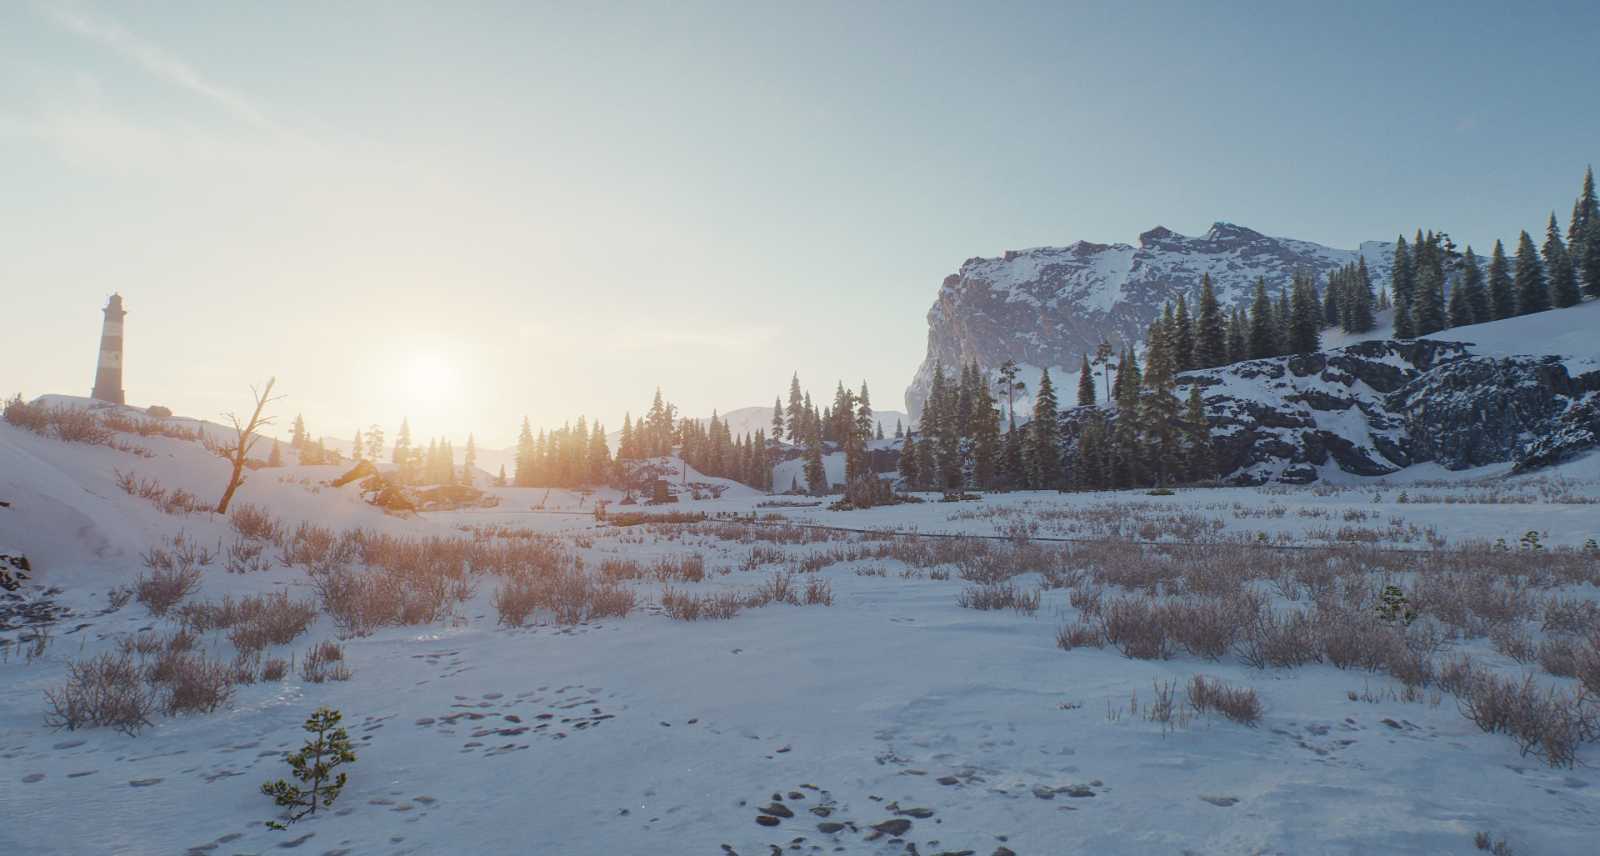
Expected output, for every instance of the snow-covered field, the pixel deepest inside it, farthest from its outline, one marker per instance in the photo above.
(953, 730)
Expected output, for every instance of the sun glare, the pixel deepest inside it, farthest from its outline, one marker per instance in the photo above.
(430, 377)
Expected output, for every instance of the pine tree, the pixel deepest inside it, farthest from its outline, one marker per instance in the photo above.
(1305, 319)
(275, 457)
(469, 464)
(1558, 265)
(1085, 384)
(297, 434)
(1532, 294)
(816, 474)
(1474, 292)
(1211, 336)
(1044, 444)
(1013, 472)
(374, 443)
(525, 461)
(1238, 337)
(314, 765)
(1183, 338)
(500, 480)
(1158, 408)
(798, 407)
(1502, 297)
(1359, 301)
(908, 463)
(986, 442)
(358, 447)
(927, 465)
(1402, 286)
(777, 418)
(1091, 464)
(1460, 311)
(899, 430)
(1427, 312)
(402, 443)
(1200, 454)
(1583, 236)
(1280, 321)
(1008, 382)
(1263, 338)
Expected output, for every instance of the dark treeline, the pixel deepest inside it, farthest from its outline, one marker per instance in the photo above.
(847, 424)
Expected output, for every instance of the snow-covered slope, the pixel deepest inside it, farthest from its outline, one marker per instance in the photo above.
(1046, 306)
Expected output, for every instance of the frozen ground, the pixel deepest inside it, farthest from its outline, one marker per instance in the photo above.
(645, 734)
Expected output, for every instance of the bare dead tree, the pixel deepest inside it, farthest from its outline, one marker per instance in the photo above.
(239, 451)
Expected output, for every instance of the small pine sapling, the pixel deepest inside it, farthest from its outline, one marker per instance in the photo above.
(313, 765)
(1393, 606)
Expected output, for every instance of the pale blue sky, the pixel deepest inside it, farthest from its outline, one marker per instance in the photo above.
(566, 205)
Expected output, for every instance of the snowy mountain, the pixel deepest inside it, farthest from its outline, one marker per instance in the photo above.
(1044, 307)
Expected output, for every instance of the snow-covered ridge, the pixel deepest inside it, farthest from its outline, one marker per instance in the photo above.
(1045, 306)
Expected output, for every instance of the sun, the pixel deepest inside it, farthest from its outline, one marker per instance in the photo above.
(430, 378)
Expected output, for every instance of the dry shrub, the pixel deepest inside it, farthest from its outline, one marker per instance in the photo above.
(245, 556)
(778, 588)
(1356, 640)
(144, 643)
(325, 662)
(1004, 595)
(254, 522)
(1571, 616)
(618, 570)
(271, 619)
(985, 568)
(688, 606)
(76, 425)
(30, 417)
(1207, 626)
(689, 569)
(274, 669)
(516, 599)
(1280, 641)
(316, 548)
(819, 592)
(1560, 656)
(1081, 634)
(243, 670)
(1136, 626)
(164, 587)
(1086, 598)
(1549, 724)
(1239, 704)
(194, 682)
(362, 601)
(762, 554)
(610, 601)
(1514, 642)
(106, 690)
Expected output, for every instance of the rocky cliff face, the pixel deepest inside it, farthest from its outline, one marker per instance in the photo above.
(1044, 307)
(1376, 407)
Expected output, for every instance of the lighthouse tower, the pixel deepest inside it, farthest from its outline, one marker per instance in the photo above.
(108, 375)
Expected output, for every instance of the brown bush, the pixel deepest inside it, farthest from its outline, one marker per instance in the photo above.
(1003, 595)
(274, 669)
(516, 599)
(324, 662)
(1239, 704)
(254, 522)
(1572, 616)
(1356, 640)
(271, 619)
(689, 569)
(106, 690)
(1081, 634)
(819, 592)
(687, 606)
(164, 588)
(1280, 641)
(618, 570)
(194, 683)
(1137, 627)
(244, 556)
(778, 588)
(1549, 724)
(31, 417)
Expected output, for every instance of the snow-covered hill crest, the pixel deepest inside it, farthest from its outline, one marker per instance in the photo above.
(1046, 306)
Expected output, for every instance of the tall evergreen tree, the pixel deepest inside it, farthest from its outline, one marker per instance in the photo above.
(1183, 338)
(798, 406)
(1238, 337)
(1359, 301)
(275, 457)
(908, 463)
(1502, 296)
(358, 447)
(1043, 448)
(1008, 382)
(1013, 471)
(815, 472)
(1532, 293)
(1581, 230)
(986, 441)
(1558, 266)
(523, 475)
(1085, 384)
(1305, 317)
(1210, 341)
(1427, 312)
(1158, 408)
(297, 435)
(1402, 286)
(1200, 454)
(1474, 292)
(1263, 337)
(469, 464)
(402, 443)
(777, 418)
(1090, 468)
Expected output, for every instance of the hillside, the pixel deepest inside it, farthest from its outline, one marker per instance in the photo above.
(1044, 307)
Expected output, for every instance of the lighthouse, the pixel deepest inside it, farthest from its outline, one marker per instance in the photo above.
(108, 374)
